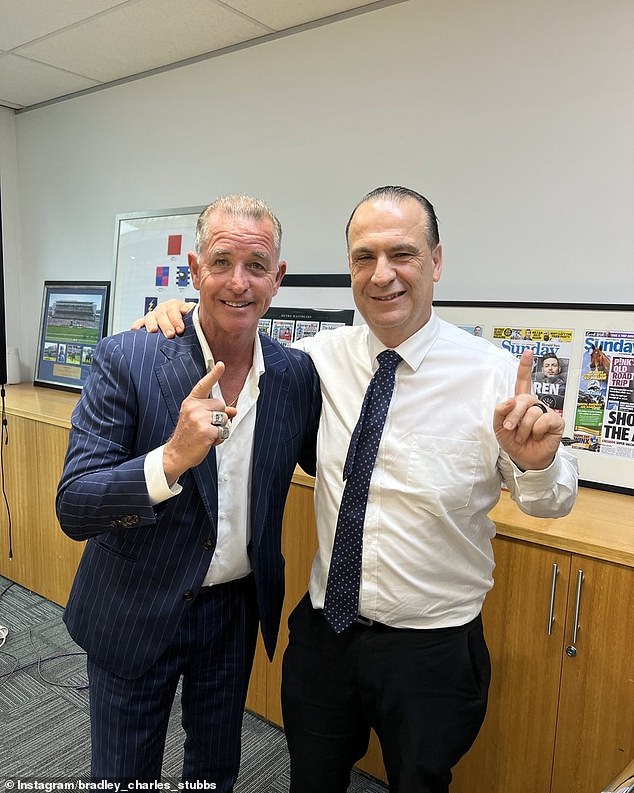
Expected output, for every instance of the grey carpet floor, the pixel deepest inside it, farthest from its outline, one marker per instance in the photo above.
(44, 722)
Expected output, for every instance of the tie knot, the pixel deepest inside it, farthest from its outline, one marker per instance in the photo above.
(389, 359)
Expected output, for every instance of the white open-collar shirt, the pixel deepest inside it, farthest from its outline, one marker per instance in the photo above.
(234, 458)
(427, 554)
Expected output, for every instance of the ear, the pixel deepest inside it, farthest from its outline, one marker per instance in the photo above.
(281, 272)
(194, 269)
(436, 256)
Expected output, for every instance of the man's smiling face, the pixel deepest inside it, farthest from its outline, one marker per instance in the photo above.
(238, 274)
(392, 266)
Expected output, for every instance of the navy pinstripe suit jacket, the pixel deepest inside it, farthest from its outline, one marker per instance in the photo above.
(141, 563)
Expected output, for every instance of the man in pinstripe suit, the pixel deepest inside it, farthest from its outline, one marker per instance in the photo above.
(183, 555)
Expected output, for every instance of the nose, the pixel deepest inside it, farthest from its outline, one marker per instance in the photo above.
(239, 280)
(383, 272)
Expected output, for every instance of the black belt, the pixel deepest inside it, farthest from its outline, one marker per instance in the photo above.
(365, 622)
(206, 591)
(368, 623)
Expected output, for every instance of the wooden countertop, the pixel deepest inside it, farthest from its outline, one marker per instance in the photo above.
(47, 405)
(601, 524)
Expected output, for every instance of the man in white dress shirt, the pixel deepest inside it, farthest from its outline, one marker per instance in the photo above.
(414, 666)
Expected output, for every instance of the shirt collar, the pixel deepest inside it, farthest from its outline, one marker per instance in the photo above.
(258, 355)
(414, 349)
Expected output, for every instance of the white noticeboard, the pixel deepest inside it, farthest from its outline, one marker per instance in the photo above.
(150, 253)
(150, 256)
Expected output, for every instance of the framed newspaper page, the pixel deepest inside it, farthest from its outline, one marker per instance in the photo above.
(74, 318)
(150, 256)
(584, 369)
(308, 303)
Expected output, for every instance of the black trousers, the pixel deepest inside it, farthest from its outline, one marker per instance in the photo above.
(424, 692)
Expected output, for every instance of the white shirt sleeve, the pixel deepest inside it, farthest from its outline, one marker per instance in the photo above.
(547, 493)
(157, 487)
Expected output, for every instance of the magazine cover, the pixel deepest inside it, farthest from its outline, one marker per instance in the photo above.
(552, 349)
(604, 415)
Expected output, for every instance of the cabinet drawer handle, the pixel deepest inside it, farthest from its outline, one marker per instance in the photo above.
(575, 627)
(551, 608)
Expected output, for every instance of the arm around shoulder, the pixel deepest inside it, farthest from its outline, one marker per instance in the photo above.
(308, 455)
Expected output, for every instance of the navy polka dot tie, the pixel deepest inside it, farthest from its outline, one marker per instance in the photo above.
(341, 604)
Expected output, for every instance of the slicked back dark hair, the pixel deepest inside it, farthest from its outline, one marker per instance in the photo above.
(396, 193)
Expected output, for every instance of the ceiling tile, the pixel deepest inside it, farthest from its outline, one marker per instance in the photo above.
(142, 36)
(24, 20)
(24, 82)
(281, 14)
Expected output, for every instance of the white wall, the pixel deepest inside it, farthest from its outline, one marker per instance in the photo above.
(514, 118)
(10, 227)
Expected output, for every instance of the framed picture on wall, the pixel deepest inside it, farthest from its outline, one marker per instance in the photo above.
(74, 318)
(583, 368)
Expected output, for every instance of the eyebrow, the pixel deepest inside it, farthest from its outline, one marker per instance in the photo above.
(256, 254)
(407, 247)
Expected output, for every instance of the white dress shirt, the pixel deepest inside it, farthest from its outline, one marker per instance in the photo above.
(234, 457)
(427, 554)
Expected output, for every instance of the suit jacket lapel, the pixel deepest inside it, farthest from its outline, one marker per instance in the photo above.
(182, 368)
(177, 375)
(271, 412)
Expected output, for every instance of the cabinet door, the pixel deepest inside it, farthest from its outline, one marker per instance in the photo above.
(19, 464)
(299, 544)
(513, 752)
(44, 558)
(595, 728)
(55, 555)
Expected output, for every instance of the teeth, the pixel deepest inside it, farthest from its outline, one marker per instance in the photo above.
(235, 305)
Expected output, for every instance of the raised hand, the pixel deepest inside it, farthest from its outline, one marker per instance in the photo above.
(526, 429)
(202, 423)
(166, 317)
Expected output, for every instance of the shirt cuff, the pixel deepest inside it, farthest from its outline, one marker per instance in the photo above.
(157, 487)
(535, 483)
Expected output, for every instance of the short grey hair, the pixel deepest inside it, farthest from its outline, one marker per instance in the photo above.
(237, 206)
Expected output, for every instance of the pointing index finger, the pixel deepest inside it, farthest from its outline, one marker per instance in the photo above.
(203, 387)
(523, 383)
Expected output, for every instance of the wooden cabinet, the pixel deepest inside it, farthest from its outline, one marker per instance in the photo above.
(595, 724)
(556, 721)
(561, 712)
(519, 729)
(44, 559)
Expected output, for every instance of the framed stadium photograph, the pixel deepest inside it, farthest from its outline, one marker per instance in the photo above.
(74, 318)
